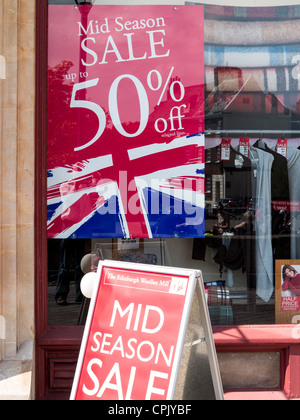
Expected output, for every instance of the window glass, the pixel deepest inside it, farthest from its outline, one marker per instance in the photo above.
(252, 131)
(250, 256)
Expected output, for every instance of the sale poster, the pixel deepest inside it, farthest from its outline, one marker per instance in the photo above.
(287, 291)
(290, 287)
(133, 337)
(125, 121)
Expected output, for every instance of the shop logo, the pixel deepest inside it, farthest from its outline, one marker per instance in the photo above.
(2, 328)
(2, 67)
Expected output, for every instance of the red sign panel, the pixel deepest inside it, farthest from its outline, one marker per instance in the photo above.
(126, 93)
(134, 334)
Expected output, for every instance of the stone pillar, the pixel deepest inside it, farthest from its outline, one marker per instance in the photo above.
(8, 156)
(17, 116)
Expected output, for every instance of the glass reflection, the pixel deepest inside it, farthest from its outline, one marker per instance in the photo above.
(251, 90)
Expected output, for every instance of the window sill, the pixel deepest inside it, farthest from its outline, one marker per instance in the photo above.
(250, 336)
(254, 395)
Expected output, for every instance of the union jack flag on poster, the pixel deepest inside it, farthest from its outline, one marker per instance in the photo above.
(125, 122)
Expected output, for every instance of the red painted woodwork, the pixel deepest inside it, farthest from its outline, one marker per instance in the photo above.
(259, 338)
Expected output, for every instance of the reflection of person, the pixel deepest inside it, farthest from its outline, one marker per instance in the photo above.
(284, 225)
(223, 224)
(71, 252)
(291, 280)
(247, 225)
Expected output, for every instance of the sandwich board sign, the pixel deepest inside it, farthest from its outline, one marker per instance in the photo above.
(135, 333)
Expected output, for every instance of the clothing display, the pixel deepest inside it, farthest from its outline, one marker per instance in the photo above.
(279, 173)
(269, 177)
(234, 252)
(264, 253)
(252, 85)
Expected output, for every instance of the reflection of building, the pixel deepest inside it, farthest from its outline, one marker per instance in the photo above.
(214, 179)
(233, 105)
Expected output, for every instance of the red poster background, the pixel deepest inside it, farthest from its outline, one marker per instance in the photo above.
(143, 66)
(166, 292)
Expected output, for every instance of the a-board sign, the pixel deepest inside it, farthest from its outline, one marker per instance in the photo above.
(135, 333)
(126, 102)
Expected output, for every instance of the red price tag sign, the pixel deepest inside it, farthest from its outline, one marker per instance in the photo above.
(225, 149)
(244, 146)
(281, 147)
(135, 333)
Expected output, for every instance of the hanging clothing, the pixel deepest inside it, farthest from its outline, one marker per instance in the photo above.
(279, 174)
(262, 171)
(241, 249)
(280, 195)
(239, 175)
(234, 252)
(199, 249)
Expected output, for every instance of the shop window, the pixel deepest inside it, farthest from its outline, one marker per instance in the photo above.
(254, 93)
(250, 255)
